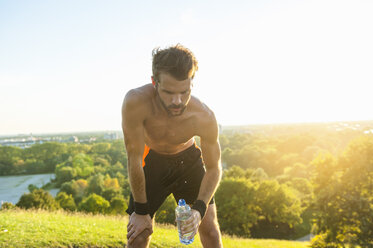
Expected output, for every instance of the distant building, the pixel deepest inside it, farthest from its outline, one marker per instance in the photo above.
(72, 139)
(111, 136)
(21, 142)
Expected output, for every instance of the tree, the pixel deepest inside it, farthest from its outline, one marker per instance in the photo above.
(117, 152)
(49, 153)
(343, 199)
(65, 174)
(100, 148)
(9, 156)
(280, 210)
(237, 211)
(96, 184)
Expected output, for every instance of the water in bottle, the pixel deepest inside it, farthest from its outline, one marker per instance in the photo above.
(183, 212)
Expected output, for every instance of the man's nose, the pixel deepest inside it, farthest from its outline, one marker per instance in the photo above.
(176, 99)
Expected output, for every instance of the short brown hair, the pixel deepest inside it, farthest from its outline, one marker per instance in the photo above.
(176, 60)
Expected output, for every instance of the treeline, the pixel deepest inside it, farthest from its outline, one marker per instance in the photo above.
(43, 158)
(274, 186)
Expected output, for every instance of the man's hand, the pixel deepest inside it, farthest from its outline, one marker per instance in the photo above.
(137, 224)
(192, 223)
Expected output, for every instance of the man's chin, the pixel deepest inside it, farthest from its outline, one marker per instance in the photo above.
(173, 112)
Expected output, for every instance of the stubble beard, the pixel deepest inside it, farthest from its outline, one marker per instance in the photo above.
(167, 108)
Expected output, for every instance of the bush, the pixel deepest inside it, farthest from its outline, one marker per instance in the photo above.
(94, 204)
(38, 199)
(7, 205)
(166, 213)
(118, 205)
(66, 201)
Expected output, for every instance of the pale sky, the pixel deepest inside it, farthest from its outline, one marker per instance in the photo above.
(66, 65)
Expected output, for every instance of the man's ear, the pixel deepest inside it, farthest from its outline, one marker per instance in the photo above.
(153, 82)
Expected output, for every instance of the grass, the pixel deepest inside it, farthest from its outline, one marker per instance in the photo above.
(37, 228)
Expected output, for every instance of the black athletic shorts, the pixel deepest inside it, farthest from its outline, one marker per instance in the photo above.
(180, 174)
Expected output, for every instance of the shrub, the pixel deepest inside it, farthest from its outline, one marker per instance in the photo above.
(7, 205)
(66, 201)
(94, 204)
(166, 213)
(38, 199)
(118, 205)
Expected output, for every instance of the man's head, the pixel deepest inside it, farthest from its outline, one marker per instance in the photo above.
(178, 61)
(173, 71)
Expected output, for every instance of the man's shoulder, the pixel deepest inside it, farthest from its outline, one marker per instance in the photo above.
(139, 96)
(137, 100)
(203, 113)
(140, 93)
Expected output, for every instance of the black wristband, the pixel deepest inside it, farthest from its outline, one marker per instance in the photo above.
(201, 207)
(141, 208)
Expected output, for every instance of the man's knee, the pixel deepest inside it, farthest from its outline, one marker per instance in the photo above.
(142, 240)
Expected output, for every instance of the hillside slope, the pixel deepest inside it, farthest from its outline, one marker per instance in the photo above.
(20, 228)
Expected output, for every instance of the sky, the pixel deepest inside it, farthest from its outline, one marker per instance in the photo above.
(65, 66)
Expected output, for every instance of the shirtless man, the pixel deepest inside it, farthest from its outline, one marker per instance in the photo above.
(159, 122)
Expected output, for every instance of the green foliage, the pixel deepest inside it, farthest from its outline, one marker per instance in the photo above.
(166, 213)
(49, 153)
(66, 201)
(94, 204)
(237, 211)
(111, 193)
(65, 174)
(237, 172)
(9, 156)
(279, 211)
(100, 148)
(7, 205)
(343, 196)
(118, 206)
(32, 187)
(83, 165)
(69, 188)
(258, 175)
(33, 166)
(96, 184)
(77, 189)
(38, 199)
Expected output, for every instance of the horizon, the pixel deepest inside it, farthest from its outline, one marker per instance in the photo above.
(66, 66)
(223, 126)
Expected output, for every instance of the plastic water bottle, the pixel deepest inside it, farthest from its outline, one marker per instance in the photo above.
(182, 213)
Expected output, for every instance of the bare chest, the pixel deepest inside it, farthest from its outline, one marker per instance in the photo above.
(172, 131)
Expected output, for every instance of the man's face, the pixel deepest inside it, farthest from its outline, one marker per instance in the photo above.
(173, 94)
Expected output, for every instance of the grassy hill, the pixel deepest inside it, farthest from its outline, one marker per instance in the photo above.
(20, 228)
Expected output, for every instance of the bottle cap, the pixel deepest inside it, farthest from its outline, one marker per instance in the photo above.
(182, 202)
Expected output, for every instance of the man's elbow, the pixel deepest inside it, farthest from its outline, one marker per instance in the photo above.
(220, 171)
(217, 171)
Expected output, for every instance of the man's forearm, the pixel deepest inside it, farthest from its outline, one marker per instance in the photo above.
(137, 181)
(209, 184)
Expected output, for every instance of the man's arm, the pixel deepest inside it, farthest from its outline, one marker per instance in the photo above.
(211, 156)
(133, 131)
